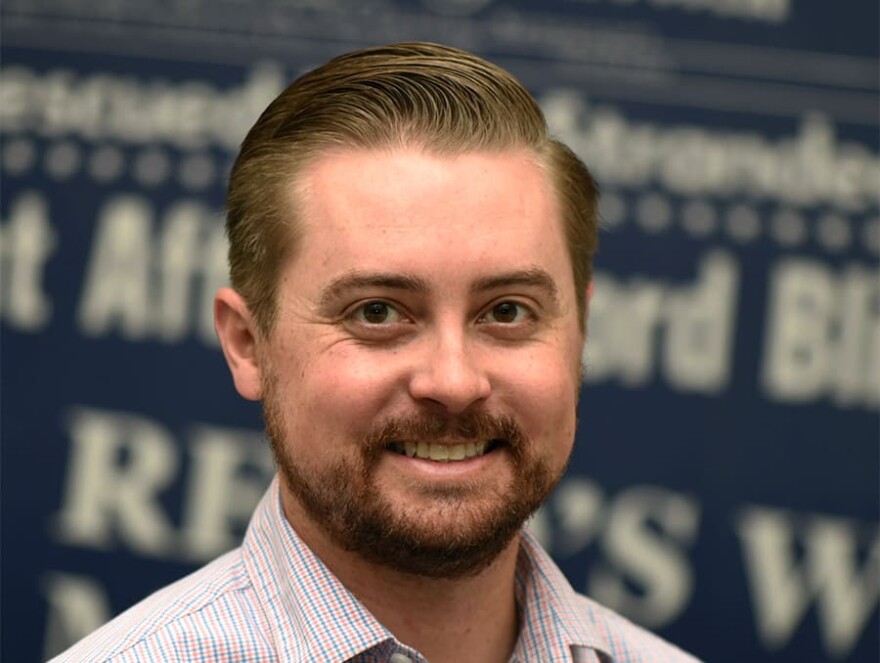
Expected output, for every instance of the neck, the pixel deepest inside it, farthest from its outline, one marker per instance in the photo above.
(468, 619)
(464, 619)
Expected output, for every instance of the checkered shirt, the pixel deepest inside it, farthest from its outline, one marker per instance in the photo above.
(272, 599)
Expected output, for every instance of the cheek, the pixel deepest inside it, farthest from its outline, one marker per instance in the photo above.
(344, 389)
(544, 395)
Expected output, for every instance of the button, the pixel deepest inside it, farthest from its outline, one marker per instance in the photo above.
(399, 658)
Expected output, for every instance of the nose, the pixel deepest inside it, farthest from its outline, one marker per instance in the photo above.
(449, 375)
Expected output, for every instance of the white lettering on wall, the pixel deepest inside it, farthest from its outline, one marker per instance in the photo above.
(579, 506)
(648, 530)
(153, 279)
(105, 106)
(121, 467)
(823, 334)
(696, 323)
(812, 167)
(769, 11)
(643, 534)
(76, 606)
(784, 584)
(219, 496)
(117, 287)
(27, 240)
(623, 325)
(701, 322)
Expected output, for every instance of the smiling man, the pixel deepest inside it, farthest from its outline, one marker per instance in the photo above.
(410, 259)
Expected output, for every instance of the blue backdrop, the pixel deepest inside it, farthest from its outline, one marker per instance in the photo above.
(724, 488)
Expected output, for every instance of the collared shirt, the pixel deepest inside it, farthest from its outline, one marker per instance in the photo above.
(272, 599)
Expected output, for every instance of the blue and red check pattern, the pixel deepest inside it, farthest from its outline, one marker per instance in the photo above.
(273, 600)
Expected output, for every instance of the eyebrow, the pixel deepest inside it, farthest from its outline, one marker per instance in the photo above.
(535, 277)
(358, 279)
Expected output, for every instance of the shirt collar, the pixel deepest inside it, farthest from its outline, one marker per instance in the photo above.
(555, 619)
(311, 616)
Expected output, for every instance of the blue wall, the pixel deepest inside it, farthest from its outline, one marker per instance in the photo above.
(724, 488)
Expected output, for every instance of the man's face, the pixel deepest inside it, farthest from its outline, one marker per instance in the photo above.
(421, 379)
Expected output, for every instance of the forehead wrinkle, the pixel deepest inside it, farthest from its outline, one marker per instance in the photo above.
(354, 279)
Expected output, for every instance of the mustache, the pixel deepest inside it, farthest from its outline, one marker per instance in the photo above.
(474, 426)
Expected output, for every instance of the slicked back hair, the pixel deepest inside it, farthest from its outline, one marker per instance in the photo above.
(438, 98)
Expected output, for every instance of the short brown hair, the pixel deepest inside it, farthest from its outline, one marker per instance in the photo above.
(438, 97)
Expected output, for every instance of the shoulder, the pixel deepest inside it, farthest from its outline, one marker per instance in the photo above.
(212, 614)
(627, 642)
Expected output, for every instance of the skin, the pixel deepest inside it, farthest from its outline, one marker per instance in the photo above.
(480, 315)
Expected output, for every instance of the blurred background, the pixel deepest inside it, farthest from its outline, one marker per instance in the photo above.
(724, 488)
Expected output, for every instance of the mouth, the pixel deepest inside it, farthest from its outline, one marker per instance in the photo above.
(444, 453)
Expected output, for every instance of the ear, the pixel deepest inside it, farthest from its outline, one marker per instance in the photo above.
(589, 297)
(237, 332)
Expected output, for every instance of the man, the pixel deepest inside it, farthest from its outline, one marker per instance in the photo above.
(410, 263)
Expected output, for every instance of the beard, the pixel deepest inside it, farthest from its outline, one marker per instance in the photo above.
(466, 526)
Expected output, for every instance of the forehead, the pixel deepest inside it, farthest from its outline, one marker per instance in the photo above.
(410, 209)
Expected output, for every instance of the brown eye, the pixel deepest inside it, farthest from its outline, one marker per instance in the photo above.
(506, 312)
(377, 313)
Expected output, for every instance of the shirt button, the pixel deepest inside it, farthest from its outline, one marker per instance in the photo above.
(399, 658)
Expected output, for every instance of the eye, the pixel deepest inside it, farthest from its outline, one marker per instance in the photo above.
(376, 313)
(507, 313)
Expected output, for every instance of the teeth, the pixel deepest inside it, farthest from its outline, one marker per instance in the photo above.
(441, 453)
